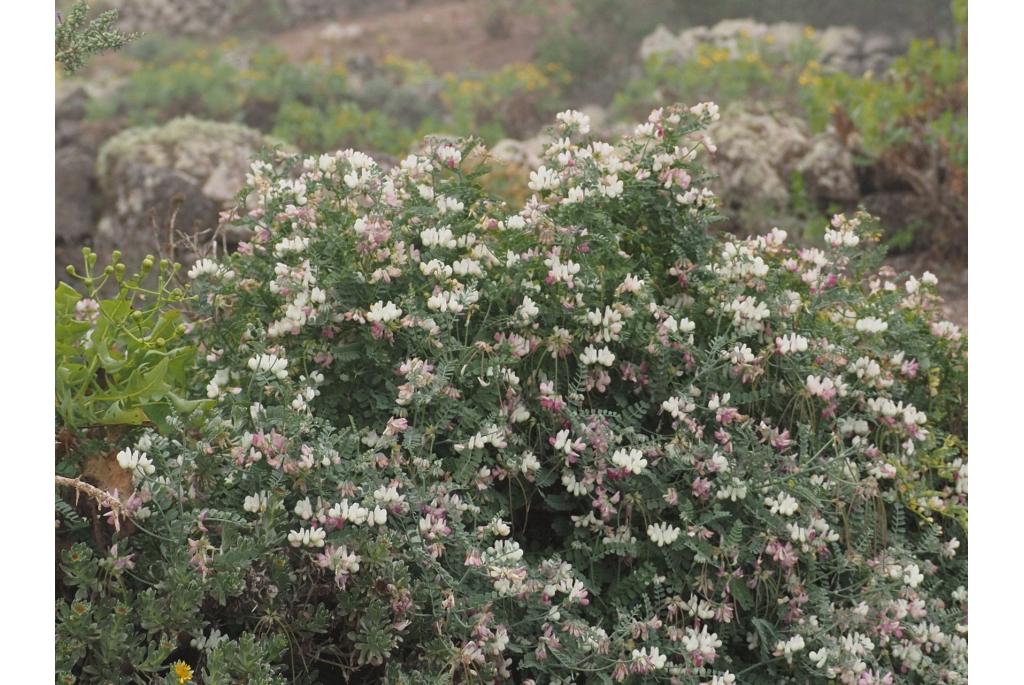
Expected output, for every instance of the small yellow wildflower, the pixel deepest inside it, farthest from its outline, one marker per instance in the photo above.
(183, 671)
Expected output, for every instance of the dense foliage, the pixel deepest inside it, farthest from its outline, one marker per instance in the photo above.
(581, 442)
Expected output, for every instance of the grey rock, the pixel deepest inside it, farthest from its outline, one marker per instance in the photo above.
(828, 170)
(161, 182)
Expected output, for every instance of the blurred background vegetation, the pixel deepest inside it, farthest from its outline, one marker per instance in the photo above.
(881, 84)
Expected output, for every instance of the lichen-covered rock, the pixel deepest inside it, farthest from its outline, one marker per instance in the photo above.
(187, 170)
(840, 48)
(758, 154)
(828, 170)
(755, 152)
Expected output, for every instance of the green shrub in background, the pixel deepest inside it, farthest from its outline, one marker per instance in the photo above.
(912, 121)
(582, 441)
(317, 107)
(909, 123)
(753, 71)
(511, 101)
(224, 83)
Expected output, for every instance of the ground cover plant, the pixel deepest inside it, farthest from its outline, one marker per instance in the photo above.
(583, 441)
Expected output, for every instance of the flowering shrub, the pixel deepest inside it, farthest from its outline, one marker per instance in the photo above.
(581, 442)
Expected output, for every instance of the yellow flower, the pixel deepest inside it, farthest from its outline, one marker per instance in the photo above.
(183, 671)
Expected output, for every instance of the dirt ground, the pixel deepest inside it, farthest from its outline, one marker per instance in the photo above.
(450, 35)
(952, 282)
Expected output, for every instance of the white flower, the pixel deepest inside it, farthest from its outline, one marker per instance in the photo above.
(789, 647)
(304, 509)
(724, 679)
(137, 462)
(871, 325)
(820, 657)
(543, 179)
(842, 238)
(269, 363)
(449, 154)
(447, 204)
(215, 387)
(630, 284)
(946, 329)
(707, 110)
(378, 517)
(791, 343)
(678, 407)
(203, 267)
(297, 244)
(435, 267)
(662, 533)
(632, 461)
(529, 464)
(782, 503)
(703, 643)
(441, 237)
(527, 310)
(307, 537)
(388, 495)
(572, 485)
(656, 659)
(464, 267)
(257, 503)
(735, 491)
(503, 553)
(576, 194)
(610, 186)
(912, 575)
(571, 118)
(383, 313)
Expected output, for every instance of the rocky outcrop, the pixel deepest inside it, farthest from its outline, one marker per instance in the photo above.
(161, 182)
(840, 48)
(77, 142)
(759, 153)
